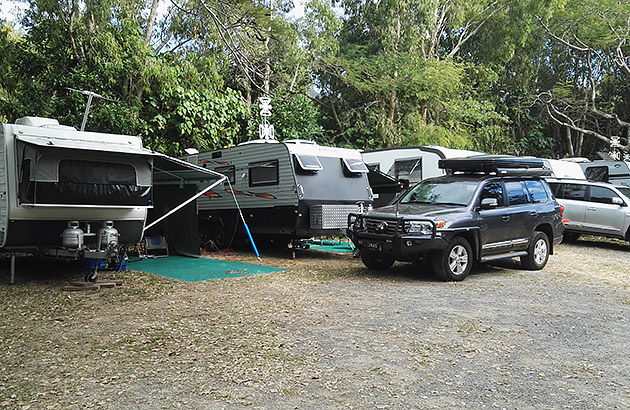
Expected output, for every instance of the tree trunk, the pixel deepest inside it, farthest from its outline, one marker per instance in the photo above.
(570, 142)
(151, 21)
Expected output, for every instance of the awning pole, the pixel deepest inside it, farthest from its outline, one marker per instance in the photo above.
(183, 204)
(249, 234)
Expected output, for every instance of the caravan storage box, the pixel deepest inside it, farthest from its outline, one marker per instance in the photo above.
(331, 216)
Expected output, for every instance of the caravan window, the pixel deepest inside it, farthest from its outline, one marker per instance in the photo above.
(78, 182)
(354, 166)
(228, 171)
(263, 173)
(308, 162)
(88, 172)
(409, 169)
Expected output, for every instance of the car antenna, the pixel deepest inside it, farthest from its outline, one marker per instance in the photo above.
(90, 95)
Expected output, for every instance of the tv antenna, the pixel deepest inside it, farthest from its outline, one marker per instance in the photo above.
(90, 95)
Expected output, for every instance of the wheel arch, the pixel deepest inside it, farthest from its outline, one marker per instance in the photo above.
(547, 230)
(472, 236)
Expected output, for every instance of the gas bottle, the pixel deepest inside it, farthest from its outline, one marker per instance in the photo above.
(72, 236)
(107, 235)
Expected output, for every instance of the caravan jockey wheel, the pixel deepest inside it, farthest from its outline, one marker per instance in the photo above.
(91, 277)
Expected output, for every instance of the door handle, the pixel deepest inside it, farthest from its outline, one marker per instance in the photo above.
(534, 214)
(591, 208)
(506, 217)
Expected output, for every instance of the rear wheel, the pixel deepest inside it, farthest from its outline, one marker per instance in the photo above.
(537, 252)
(454, 262)
(376, 261)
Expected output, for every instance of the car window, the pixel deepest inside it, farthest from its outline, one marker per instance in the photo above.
(515, 193)
(537, 191)
(624, 190)
(602, 195)
(493, 190)
(571, 191)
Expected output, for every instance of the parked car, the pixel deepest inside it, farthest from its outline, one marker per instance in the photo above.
(593, 208)
(487, 208)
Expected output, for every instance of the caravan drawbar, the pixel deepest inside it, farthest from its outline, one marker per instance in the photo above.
(293, 189)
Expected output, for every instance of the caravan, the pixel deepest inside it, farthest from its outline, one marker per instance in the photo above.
(393, 169)
(75, 194)
(294, 189)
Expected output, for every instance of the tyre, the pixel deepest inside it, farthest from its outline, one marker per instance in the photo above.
(376, 261)
(570, 237)
(221, 236)
(92, 276)
(454, 262)
(537, 252)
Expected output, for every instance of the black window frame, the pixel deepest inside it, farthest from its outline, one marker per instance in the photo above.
(252, 166)
(231, 174)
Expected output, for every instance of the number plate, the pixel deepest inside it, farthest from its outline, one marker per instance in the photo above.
(374, 246)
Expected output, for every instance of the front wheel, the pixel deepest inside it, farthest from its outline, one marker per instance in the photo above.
(537, 252)
(376, 261)
(454, 262)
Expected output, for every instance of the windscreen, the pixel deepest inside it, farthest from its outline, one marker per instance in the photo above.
(442, 193)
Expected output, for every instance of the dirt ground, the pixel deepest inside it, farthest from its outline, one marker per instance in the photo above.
(325, 333)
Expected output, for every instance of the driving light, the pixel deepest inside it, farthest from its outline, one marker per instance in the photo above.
(422, 227)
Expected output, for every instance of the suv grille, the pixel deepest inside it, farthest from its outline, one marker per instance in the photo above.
(381, 227)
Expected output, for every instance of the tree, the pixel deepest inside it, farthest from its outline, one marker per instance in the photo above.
(589, 48)
(399, 76)
(172, 100)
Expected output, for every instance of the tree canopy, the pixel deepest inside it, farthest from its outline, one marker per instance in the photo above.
(533, 77)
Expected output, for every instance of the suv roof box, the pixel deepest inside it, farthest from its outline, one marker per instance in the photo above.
(499, 164)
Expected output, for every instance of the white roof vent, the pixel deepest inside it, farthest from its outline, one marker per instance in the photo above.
(305, 142)
(37, 122)
(43, 123)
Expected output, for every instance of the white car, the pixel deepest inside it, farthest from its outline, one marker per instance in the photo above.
(593, 208)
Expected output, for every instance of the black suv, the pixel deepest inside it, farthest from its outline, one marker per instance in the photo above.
(487, 207)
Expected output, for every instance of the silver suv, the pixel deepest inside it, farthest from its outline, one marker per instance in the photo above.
(593, 208)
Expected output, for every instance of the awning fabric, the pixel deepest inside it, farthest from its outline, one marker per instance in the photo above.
(168, 170)
(87, 145)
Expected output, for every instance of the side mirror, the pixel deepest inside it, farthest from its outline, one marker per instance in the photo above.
(489, 203)
(618, 201)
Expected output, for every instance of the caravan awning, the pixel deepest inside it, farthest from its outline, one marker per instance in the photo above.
(168, 171)
(89, 145)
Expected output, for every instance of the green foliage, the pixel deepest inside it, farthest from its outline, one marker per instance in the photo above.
(459, 73)
(180, 118)
(294, 116)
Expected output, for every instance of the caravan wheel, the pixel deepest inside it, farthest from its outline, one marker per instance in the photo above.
(221, 236)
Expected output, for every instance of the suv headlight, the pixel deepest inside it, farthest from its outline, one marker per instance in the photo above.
(422, 227)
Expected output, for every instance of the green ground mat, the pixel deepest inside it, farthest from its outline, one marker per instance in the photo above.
(198, 269)
(329, 247)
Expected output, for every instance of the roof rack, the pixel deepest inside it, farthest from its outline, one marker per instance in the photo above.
(504, 165)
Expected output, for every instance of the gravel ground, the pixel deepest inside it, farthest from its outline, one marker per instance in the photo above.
(326, 333)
